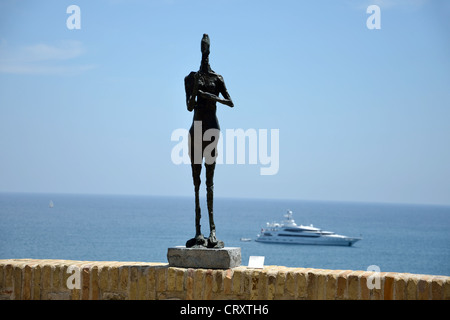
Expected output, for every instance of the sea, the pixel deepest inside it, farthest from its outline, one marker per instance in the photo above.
(395, 237)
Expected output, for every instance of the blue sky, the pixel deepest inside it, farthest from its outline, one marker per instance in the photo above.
(363, 115)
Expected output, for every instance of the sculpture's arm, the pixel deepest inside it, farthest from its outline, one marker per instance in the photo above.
(226, 95)
(191, 86)
(213, 97)
(191, 102)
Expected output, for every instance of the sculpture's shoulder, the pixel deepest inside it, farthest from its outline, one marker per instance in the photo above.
(219, 77)
(189, 82)
(220, 82)
(190, 77)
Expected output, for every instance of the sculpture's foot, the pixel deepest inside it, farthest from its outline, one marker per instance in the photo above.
(216, 245)
(198, 242)
(213, 242)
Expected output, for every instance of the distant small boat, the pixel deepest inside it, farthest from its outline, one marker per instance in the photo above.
(246, 239)
(50, 205)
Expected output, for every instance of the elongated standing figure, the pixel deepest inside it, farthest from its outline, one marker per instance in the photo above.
(202, 92)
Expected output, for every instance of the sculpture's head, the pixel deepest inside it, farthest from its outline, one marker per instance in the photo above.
(205, 44)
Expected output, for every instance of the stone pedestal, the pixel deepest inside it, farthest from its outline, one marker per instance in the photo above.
(224, 258)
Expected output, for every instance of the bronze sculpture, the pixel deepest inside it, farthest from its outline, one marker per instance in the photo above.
(202, 92)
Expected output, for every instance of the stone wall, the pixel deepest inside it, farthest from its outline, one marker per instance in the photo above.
(25, 279)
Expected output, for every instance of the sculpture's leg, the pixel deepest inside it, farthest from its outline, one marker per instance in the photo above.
(199, 239)
(210, 196)
(196, 171)
(212, 240)
(198, 214)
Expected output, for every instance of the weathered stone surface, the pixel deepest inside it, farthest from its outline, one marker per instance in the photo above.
(224, 258)
(26, 279)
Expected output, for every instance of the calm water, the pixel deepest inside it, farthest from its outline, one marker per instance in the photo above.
(400, 238)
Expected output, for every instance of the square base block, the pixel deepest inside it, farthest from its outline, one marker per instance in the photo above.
(224, 258)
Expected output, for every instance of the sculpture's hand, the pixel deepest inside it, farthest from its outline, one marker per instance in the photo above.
(210, 96)
(207, 95)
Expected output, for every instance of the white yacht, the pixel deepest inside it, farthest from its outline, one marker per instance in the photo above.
(289, 232)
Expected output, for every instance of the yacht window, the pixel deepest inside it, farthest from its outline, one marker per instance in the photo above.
(292, 230)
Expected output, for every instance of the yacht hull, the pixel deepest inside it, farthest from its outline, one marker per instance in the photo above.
(325, 241)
